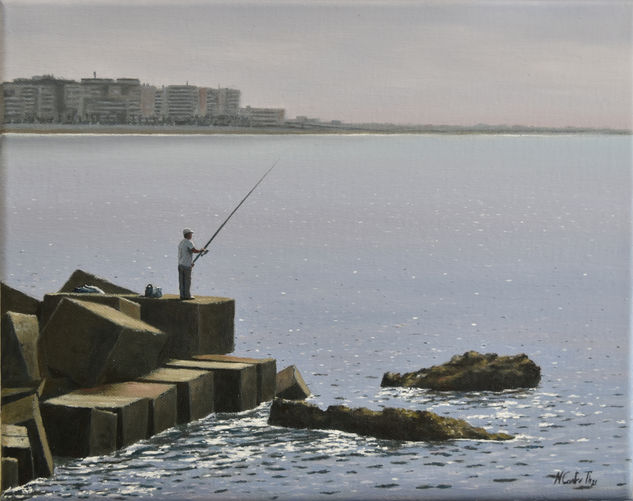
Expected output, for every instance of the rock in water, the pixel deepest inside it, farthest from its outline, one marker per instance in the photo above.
(472, 371)
(390, 423)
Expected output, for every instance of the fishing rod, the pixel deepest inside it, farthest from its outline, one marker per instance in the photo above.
(234, 211)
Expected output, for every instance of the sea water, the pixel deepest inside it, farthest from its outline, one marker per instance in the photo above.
(357, 255)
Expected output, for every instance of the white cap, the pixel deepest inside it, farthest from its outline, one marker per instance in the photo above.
(186, 230)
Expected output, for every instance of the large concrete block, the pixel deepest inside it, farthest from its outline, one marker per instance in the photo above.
(20, 362)
(266, 372)
(195, 327)
(26, 412)
(194, 389)
(56, 386)
(94, 344)
(161, 397)
(115, 301)
(235, 385)
(80, 277)
(132, 413)
(290, 384)
(79, 431)
(10, 473)
(13, 300)
(15, 444)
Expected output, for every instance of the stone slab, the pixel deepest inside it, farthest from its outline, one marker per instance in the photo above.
(79, 431)
(80, 277)
(26, 412)
(14, 300)
(94, 344)
(266, 372)
(290, 384)
(235, 385)
(195, 327)
(15, 444)
(132, 413)
(162, 400)
(115, 301)
(20, 360)
(194, 389)
(10, 475)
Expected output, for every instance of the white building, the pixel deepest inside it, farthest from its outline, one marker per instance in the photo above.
(179, 103)
(262, 117)
(223, 102)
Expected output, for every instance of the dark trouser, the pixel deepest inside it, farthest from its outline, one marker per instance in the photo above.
(184, 281)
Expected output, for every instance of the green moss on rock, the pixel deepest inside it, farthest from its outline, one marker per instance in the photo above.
(472, 371)
(390, 423)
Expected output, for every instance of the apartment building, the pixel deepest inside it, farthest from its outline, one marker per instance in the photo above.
(37, 99)
(177, 103)
(73, 102)
(223, 102)
(106, 100)
(148, 101)
(262, 117)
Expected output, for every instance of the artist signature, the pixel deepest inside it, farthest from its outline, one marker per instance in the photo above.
(575, 479)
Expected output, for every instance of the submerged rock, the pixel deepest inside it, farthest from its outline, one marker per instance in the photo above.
(472, 371)
(390, 423)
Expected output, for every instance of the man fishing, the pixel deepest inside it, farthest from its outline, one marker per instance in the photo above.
(186, 250)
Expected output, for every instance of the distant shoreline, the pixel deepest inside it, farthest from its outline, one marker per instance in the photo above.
(306, 129)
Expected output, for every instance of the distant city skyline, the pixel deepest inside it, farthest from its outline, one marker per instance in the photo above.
(558, 63)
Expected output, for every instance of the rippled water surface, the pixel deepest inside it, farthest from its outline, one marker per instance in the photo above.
(356, 256)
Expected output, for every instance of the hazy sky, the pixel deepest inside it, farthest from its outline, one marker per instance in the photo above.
(552, 62)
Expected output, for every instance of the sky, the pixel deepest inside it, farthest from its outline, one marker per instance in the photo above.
(531, 62)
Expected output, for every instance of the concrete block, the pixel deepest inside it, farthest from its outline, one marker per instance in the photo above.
(10, 395)
(10, 475)
(15, 444)
(235, 385)
(79, 431)
(94, 344)
(115, 301)
(13, 300)
(132, 413)
(26, 412)
(290, 384)
(194, 389)
(20, 362)
(161, 397)
(80, 277)
(195, 327)
(56, 386)
(266, 372)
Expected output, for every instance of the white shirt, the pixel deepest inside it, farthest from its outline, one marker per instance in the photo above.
(185, 253)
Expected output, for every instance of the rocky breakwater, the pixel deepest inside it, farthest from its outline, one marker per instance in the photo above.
(85, 374)
(390, 423)
(471, 371)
